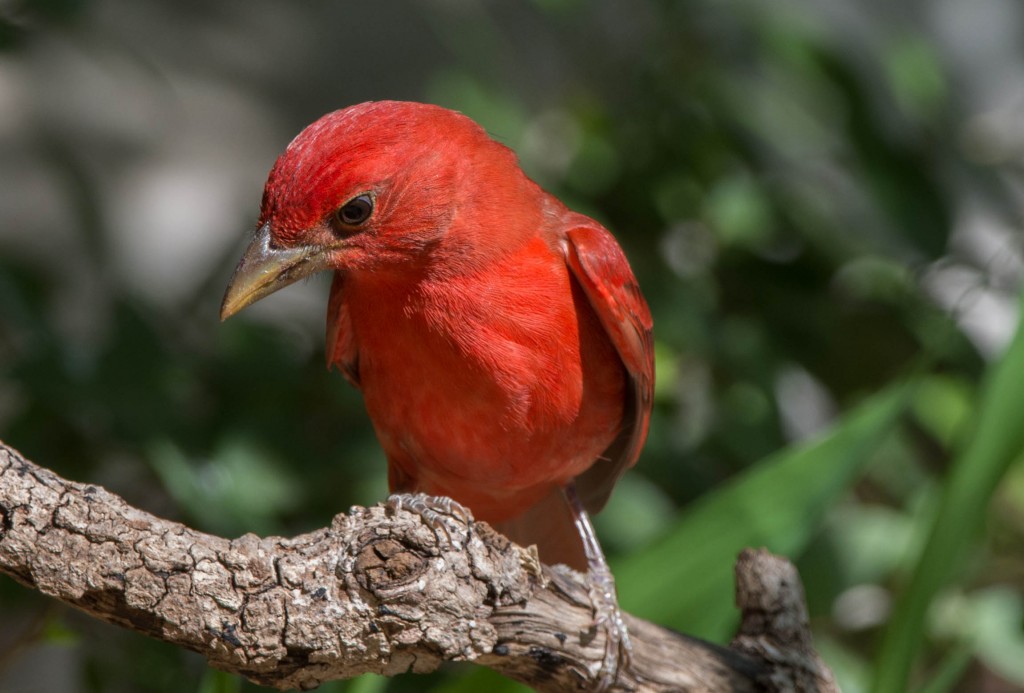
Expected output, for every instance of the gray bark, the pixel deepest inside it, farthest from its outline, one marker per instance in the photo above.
(377, 591)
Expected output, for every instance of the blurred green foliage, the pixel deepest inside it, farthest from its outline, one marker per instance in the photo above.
(798, 192)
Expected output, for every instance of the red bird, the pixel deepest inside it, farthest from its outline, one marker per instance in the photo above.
(500, 340)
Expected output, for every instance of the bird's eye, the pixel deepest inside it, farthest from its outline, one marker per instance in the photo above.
(356, 211)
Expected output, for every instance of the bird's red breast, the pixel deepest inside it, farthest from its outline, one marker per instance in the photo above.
(490, 387)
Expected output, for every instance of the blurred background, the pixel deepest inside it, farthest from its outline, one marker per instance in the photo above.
(824, 204)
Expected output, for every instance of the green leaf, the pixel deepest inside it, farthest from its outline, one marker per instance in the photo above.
(241, 488)
(950, 672)
(850, 670)
(987, 623)
(55, 631)
(686, 581)
(215, 681)
(367, 683)
(997, 441)
(481, 679)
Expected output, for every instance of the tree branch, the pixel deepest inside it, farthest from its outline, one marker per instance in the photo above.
(377, 591)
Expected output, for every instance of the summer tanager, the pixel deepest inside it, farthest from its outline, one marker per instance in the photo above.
(499, 339)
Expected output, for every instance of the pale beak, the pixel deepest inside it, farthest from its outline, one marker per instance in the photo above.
(265, 269)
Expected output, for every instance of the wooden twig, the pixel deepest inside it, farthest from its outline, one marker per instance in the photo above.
(377, 591)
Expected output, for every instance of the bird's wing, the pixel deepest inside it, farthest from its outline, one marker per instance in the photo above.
(599, 265)
(341, 346)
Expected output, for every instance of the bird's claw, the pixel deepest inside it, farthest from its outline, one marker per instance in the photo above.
(618, 648)
(447, 518)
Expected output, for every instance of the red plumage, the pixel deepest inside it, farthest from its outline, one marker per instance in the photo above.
(500, 340)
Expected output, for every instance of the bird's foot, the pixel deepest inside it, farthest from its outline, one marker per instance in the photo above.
(618, 648)
(447, 518)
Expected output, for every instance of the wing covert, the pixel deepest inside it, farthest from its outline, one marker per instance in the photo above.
(597, 262)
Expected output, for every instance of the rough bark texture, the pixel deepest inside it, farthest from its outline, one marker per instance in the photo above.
(377, 591)
(774, 627)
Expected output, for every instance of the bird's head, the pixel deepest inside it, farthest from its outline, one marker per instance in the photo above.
(372, 187)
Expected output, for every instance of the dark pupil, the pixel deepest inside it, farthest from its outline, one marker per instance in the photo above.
(357, 210)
